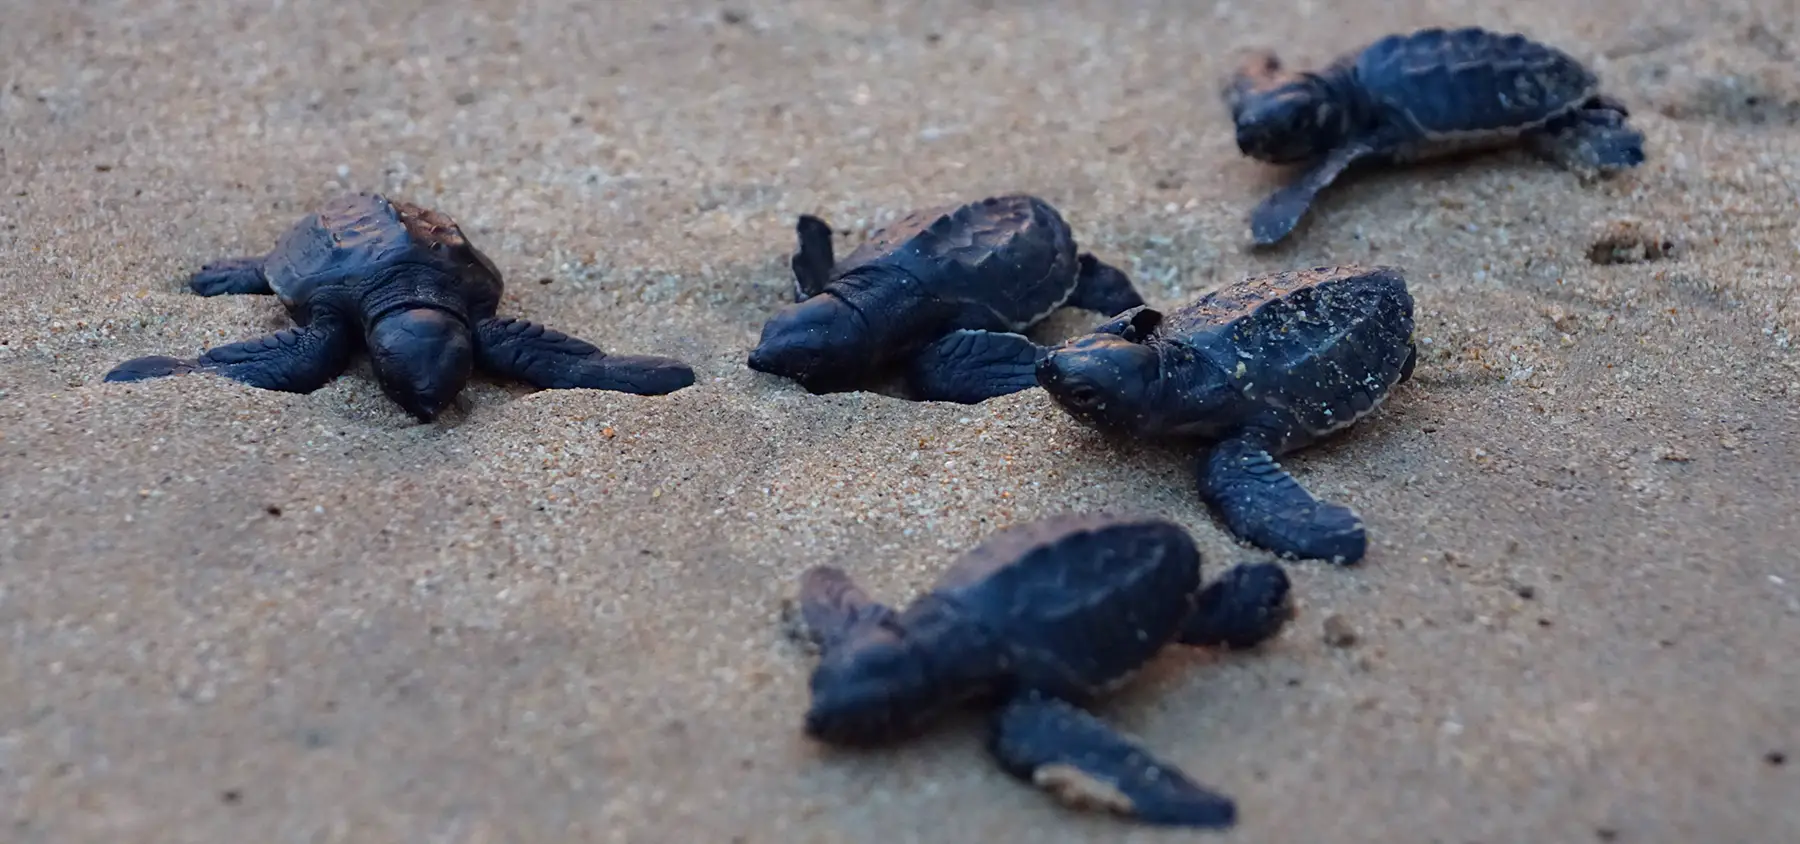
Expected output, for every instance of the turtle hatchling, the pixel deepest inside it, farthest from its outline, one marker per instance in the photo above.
(1037, 622)
(1257, 369)
(1430, 93)
(943, 294)
(404, 283)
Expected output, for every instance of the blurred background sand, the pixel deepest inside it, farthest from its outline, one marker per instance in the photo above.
(232, 615)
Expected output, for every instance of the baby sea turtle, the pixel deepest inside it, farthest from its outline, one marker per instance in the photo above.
(1430, 93)
(1258, 369)
(404, 283)
(1038, 621)
(944, 292)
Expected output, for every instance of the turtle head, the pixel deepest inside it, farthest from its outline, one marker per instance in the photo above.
(884, 682)
(422, 357)
(821, 343)
(1282, 117)
(1108, 380)
(873, 688)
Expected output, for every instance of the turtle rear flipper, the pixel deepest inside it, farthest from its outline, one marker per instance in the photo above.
(550, 360)
(968, 367)
(1280, 212)
(812, 263)
(1248, 605)
(1102, 287)
(1262, 504)
(832, 606)
(231, 276)
(1085, 764)
(296, 360)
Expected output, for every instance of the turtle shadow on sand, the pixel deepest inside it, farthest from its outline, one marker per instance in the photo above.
(403, 284)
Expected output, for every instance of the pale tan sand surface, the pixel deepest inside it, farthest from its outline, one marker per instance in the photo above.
(230, 615)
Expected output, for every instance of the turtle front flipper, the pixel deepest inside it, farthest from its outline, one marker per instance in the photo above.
(1277, 215)
(969, 366)
(232, 276)
(1247, 606)
(1102, 287)
(551, 360)
(1085, 764)
(1263, 505)
(832, 606)
(812, 263)
(1594, 140)
(1135, 325)
(297, 360)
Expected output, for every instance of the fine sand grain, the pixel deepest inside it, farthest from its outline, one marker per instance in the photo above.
(232, 615)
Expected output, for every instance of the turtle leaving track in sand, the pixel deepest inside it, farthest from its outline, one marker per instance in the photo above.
(1037, 621)
(1426, 94)
(944, 293)
(1257, 369)
(404, 283)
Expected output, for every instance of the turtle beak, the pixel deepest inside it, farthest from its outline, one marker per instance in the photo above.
(762, 359)
(426, 407)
